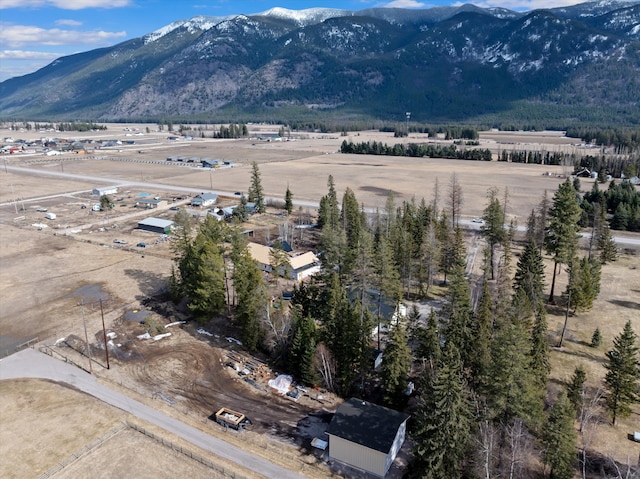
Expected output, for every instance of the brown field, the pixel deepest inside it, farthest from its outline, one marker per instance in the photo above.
(46, 274)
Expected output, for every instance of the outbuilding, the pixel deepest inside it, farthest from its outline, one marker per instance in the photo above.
(366, 436)
(155, 225)
(104, 190)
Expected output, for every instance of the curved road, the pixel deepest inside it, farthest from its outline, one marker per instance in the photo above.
(29, 363)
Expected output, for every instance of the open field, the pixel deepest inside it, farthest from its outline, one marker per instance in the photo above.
(51, 279)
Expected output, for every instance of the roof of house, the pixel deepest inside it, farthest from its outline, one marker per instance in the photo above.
(260, 253)
(366, 424)
(302, 260)
(157, 222)
(208, 196)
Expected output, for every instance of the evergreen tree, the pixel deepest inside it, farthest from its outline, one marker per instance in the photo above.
(288, 201)
(396, 362)
(206, 279)
(559, 438)
(561, 238)
(539, 353)
(493, 226)
(303, 347)
(429, 342)
(623, 373)
(256, 193)
(576, 388)
(458, 312)
(513, 391)
(241, 212)
(596, 338)
(604, 241)
(443, 421)
(480, 347)
(584, 283)
(352, 220)
(249, 287)
(529, 277)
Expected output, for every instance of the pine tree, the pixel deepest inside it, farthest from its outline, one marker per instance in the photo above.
(576, 388)
(513, 392)
(584, 283)
(429, 342)
(539, 353)
(206, 279)
(493, 227)
(529, 277)
(249, 287)
(604, 241)
(288, 201)
(623, 373)
(559, 438)
(303, 347)
(256, 193)
(561, 238)
(480, 348)
(443, 420)
(396, 362)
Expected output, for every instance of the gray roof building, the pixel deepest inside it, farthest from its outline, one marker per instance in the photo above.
(366, 436)
(155, 225)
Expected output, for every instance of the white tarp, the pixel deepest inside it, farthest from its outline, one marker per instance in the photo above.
(282, 383)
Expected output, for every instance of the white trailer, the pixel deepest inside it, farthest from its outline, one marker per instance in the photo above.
(50, 216)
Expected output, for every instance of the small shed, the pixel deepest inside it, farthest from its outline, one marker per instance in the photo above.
(366, 436)
(156, 225)
(104, 190)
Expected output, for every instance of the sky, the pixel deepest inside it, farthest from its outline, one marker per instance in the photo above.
(33, 33)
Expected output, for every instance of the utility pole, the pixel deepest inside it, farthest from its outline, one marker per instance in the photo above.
(104, 334)
(86, 337)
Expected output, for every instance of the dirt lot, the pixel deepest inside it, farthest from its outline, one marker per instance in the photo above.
(52, 279)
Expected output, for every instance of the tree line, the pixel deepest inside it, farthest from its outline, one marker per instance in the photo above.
(415, 150)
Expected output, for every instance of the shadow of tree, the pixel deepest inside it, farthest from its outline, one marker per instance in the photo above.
(582, 354)
(625, 304)
(150, 284)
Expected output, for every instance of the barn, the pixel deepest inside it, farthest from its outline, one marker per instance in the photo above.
(366, 436)
(155, 225)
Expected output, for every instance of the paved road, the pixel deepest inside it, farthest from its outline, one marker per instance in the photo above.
(33, 364)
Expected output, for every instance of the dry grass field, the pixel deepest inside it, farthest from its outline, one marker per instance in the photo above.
(46, 274)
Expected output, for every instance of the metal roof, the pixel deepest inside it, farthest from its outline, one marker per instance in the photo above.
(366, 424)
(157, 222)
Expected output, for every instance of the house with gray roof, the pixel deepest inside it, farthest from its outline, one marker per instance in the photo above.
(366, 436)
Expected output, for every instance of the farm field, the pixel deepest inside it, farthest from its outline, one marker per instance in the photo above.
(53, 278)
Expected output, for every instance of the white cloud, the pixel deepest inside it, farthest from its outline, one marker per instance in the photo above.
(15, 36)
(405, 4)
(65, 4)
(26, 55)
(68, 22)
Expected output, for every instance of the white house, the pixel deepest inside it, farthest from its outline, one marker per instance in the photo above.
(204, 199)
(366, 436)
(104, 190)
(301, 265)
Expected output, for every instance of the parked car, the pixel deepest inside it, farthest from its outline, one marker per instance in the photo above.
(119, 241)
(141, 245)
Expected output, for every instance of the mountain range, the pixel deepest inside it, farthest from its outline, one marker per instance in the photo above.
(560, 67)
